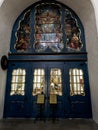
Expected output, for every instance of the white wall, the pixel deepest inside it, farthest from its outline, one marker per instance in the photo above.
(1, 1)
(9, 11)
(95, 5)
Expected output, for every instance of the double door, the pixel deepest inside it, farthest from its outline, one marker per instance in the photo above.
(63, 87)
(47, 81)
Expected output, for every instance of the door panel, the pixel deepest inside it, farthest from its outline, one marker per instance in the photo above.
(79, 99)
(16, 91)
(55, 86)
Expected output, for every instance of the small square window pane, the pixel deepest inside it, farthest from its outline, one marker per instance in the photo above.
(23, 72)
(38, 78)
(77, 72)
(23, 79)
(16, 78)
(81, 72)
(38, 85)
(13, 86)
(35, 79)
(78, 79)
(78, 87)
(82, 88)
(23, 86)
(74, 71)
(35, 72)
(75, 87)
(74, 79)
(70, 72)
(14, 72)
(39, 72)
(13, 79)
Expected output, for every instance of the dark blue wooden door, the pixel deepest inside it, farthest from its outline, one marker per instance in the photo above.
(48, 79)
(17, 90)
(67, 81)
(78, 90)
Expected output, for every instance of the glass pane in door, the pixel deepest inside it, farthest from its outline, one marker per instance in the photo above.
(18, 82)
(38, 82)
(76, 82)
(56, 81)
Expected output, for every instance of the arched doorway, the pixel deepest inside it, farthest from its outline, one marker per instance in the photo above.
(47, 67)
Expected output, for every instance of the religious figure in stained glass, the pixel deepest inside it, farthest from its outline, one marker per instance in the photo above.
(75, 43)
(56, 81)
(72, 31)
(48, 30)
(23, 34)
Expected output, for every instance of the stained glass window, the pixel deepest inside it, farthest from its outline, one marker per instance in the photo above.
(56, 81)
(38, 82)
(18, 82)
(76, 82)
(73, 32)
(48, 29)
(23, 34)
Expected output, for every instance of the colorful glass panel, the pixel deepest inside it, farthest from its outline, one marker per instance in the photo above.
(76, 82)
(52, 29)
(72, 32)
(38, 82)
(56, 81)
(18, 82)
(48, 29)
(23, 34)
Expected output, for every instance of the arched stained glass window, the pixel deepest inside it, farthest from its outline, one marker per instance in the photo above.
(48, 27)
